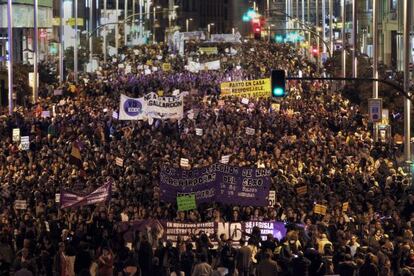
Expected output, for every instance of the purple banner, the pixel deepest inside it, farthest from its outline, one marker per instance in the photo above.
(169, 230)
(218, 182)
(70, 200)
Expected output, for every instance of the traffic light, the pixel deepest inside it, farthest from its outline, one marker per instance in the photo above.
(257, 29)
(279, 38)
(315, 51)
(278, 84)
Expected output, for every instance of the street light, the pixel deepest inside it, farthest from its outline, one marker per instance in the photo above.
(187, 23)
(209, 28)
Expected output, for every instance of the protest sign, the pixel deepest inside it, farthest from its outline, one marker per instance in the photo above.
(250, 131)
(16, 135)
(57, 197)
(245, 101)
(184, 162)
(20, 204)
(218, 182)
(225, 159)
(119, 161)
(115, 115)
(248, 89)
(186, 202)
(345, 206)
(199, 131)
(208, 50)
(375, 110)
(272, 198)
(75, 151)
(45, 114)
(70, 199)
(319, 209)
(128, 69)
(57, 92)
(166, 67)
(24, 143)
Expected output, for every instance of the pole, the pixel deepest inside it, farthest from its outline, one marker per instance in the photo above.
(186, 25)
(331, 25)
(268, 8)
(61, 45)
(141, 28)
(117, 27)
(324, 28)
(343, 39)
(90, 32)
(308, 11)
(407, 103)
(318, 58)
(303, 11)
(354, 39)
(133, 14)
(153, 25)
(10, 57)
(105, 31)
(35, 56)
(375, 46)
(75, 48)
(125, 23)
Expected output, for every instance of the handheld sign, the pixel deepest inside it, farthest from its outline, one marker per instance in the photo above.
(345, 206)
(24, 143)
(320, 209)
(16, 135)
(119, 161)
(272, 198)
(20, 204)
(186, 202)
(184, 162)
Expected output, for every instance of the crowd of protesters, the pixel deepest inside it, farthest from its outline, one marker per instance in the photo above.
(313, 138)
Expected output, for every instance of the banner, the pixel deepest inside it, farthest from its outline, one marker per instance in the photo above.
(218, 182)
(186, 202)
(131, 108)
(247, 89)
(195, 67)
(70, 199)
(235, 38)
(232, 230)
(208, 50)
(166, 107)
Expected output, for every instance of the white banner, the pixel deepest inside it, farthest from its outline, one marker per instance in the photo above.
(151, 105)
(169, 107)
(131, 108)
(235, 38)
(195, 67)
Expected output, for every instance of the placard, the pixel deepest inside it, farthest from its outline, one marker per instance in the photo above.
(248, 89)
(24, 143)
(184, 162)
(115, 115)
(186, 202)
(57, 92)
(45, 114)
(225, 159)
(375, 110)
(345, 206)
(320, 209)
(57, 197)
(119, 161)
(16, 135)
(20, 204)
(245, 101)
(166, 67)
(250, 131)
(199, 131)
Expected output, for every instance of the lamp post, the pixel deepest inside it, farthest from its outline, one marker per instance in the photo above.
(10, 56)
(75, 48)
(343, 39)
(154, 9)
(35, 57)
(407, 104)
(117, 28)
(187, 23)
(125, 23)
(375, 46)
(354, 39)
(61, 45)
(90, 30)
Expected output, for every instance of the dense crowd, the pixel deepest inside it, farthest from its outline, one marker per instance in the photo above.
(313, 138)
